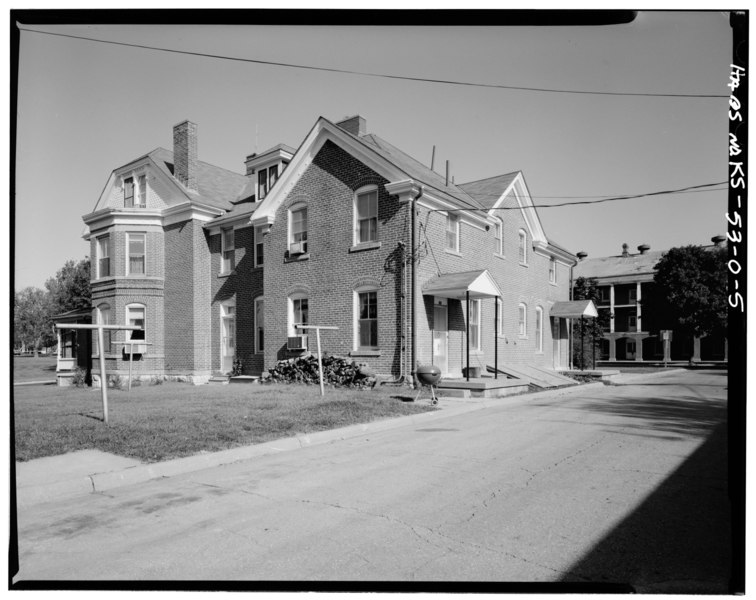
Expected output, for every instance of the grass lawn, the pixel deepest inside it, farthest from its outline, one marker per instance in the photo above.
(28, 368)
(154, 423)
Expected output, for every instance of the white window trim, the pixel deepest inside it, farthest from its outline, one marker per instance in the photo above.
(128, 253)
(224, 306)
(98, 315)
(223, 270)
(356, 318)
(449, 216)
(139, 191)
(499, 236)
(129, 333)
(500, 324)
(523, 247)
(258, 349)
(259, 239)
(477, 302)
(553, 274)
(98, 249)
(289, 237)
(355, 225)
(290, 311)
(520, 333)
(539, 330)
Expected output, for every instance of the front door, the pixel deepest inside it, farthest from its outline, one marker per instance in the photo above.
(228, 337)
(555, 342)
(441, 337)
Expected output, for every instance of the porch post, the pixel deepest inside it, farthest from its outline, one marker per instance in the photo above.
(467, 298)
(582, 344)
(496, 337)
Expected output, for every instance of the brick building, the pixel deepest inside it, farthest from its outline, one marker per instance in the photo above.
(623, 281)
(346, 231)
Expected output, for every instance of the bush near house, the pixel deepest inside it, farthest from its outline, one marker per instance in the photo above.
(154, 423)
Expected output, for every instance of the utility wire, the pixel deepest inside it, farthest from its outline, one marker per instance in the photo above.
(722, 189)
(381, 75)
(612, 199)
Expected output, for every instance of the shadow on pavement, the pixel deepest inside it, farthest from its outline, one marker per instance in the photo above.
(679, 539)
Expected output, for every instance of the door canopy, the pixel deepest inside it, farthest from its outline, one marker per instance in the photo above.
(479, 284)
(574, 309)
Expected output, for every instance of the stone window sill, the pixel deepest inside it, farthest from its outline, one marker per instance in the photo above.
(365, 353)
(365, 246)
(452, 252)
(296, 258)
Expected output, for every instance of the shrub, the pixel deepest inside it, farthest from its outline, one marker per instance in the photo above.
(115, 381)
(237, 368)
(79, 378)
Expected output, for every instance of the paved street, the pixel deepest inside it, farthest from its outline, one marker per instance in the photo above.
(622, 484)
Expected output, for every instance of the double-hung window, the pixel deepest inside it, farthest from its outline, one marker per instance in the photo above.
(298, 242)
(137, 252)
(259, 246)
(103, 317)
(259, 325)
(135, 315)
(523, 320)
(367, 322)
(103, 256)
(265, 180)
(452, 232)
(523, 247)
(227, 250)
(300, 314)
(552, 271)
(128, 192)
(473, 323)
(366, 217)
(499, 238)
(539, 330)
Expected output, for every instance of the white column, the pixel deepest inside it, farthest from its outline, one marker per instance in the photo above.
(611, 308)
(638, 306)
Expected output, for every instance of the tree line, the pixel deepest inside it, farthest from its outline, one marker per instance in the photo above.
(34, 309)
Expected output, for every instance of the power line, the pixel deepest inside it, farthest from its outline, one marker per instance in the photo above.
(381, 75)
(612, 199)
(682, 191)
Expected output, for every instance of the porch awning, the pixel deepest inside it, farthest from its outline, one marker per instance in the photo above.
(574, 309)
(480, 284)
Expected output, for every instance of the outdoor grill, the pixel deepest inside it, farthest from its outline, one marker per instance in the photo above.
(428, 375)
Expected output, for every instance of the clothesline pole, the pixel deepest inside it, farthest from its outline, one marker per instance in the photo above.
(317, 329)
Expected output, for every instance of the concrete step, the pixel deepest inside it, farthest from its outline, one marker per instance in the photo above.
(218, 380)
(245, 379)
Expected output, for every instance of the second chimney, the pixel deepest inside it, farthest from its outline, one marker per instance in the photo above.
(355, 125)
(643, 248)
(185, 154)
(624, 249)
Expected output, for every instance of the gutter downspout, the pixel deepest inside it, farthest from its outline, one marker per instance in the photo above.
(413, 285)
(569, 326)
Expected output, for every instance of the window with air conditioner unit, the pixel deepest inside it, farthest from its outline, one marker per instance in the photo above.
(298, 231)
(299, 314)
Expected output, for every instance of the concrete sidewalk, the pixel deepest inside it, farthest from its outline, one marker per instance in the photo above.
(92, 471)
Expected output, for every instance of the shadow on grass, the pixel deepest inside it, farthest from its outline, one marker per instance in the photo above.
(95, 417)
(679, 539)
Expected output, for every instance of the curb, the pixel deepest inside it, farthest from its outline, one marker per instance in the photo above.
(48, 382)
(101, 482)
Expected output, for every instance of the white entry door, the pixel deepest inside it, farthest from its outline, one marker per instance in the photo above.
(441, 337)
(228, 337)
(555, 342)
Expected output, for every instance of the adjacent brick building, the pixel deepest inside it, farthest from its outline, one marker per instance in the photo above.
(623, 281)
(348, 232)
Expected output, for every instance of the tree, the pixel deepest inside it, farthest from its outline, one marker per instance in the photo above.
(586, 332)
(690, 291)
(31, 318)
(70, 289)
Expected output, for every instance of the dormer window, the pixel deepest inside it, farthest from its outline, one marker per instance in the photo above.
(135, 193)
(265, 179)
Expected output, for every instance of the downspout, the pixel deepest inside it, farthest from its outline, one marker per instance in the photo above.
(413, 285)
(569, 327)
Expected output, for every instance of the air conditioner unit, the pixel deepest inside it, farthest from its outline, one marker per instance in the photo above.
(135, 348)
(298, 248)
(297, 342)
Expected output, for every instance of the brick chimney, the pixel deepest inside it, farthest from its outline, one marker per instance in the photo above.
(624, 250)
(355, 125)
(185, 154)
(643, 248)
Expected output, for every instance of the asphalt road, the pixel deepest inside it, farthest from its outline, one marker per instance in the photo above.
(621, 484)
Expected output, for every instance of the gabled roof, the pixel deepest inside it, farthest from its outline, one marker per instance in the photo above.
(479, 284)
(488, 191)
(619, 266)
(217, 187)
(417, 170)
(574, 309)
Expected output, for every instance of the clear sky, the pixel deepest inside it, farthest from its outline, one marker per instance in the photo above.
(85, 108)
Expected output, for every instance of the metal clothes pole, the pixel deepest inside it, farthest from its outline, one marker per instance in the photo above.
(103, 380)
(467, 296)
(496, 337)
(593, 343)
(320, 362)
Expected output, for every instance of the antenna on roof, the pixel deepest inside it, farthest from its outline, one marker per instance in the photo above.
(447, 172)
(433, 156)
(255, 138)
